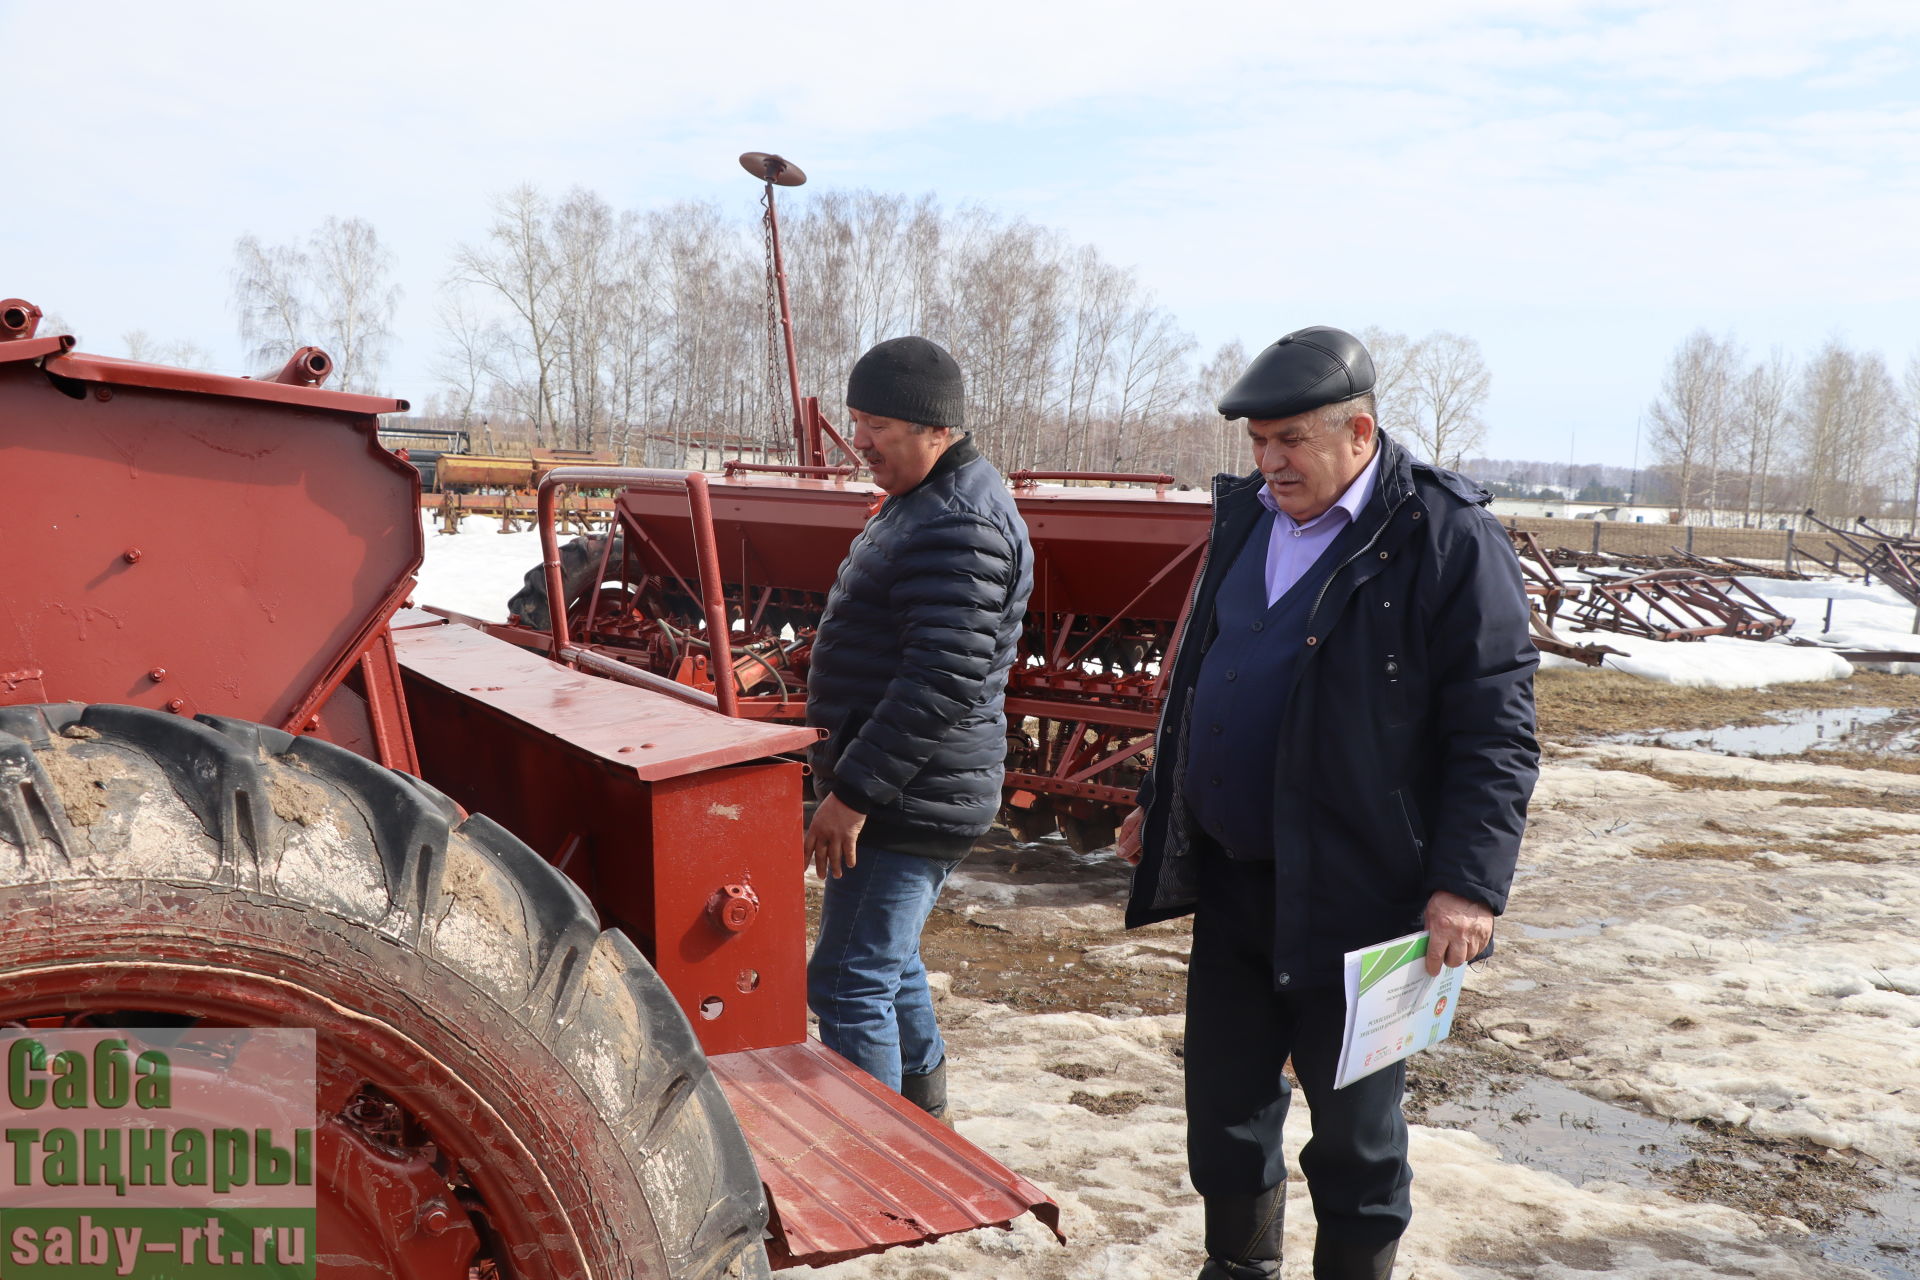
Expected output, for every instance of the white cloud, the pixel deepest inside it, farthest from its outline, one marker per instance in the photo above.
(1472, 157)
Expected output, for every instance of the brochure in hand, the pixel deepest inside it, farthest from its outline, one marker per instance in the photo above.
(1393, 1007)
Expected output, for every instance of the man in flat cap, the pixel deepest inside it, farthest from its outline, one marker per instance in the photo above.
(908, 675)
(1345, 756)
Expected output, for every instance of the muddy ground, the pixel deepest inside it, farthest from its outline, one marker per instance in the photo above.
(1070, 956)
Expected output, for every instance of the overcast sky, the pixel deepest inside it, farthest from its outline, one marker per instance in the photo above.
(1577, 184)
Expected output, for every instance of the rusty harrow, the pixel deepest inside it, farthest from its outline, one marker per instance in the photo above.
(1679, 604)
(1895, 561)
(1546, 592)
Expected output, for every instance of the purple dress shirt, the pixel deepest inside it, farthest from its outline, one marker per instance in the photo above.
(1293, 548)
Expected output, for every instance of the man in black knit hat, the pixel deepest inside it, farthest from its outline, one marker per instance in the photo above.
(1345, 754)
(908, 675)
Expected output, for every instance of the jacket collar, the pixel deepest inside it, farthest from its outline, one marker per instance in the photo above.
(957, 455)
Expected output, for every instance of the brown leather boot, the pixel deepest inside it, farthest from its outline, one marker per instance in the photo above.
(1334, 1260)
(1244, 1234)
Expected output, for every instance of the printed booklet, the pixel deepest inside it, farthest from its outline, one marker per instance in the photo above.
(1393, 1007)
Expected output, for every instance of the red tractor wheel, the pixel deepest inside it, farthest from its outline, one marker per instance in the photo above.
(505, 1091)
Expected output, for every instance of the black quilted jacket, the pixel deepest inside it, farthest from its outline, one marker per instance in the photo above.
(909, 669)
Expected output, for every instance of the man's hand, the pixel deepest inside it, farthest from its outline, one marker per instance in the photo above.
(1458, 928)
(831, 837)
(1127, 844)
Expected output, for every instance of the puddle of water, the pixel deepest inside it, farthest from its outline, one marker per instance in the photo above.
(1887, 729)
(1792, 732)
(1884, 1238)
(1547, 1125)
(1553, 1127)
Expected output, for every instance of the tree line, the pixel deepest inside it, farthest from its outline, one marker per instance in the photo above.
(650, 335)
(1737, 439)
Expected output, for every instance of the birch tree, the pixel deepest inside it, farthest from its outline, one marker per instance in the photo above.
(354, 299)
(1762, 407)
(1447, 382)
(1690, 414)
(269, 295)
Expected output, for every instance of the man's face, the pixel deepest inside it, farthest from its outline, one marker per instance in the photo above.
(898, 456)
(1307, 466)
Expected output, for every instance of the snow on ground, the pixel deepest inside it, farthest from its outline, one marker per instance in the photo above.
(1775, 988)
(1714, 662)
(1864, 617)
(1769, 980)
(476, 570)
(1746, 956)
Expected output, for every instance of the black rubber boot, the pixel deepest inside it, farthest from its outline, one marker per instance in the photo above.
(928, 1091)
(1244, 1234)
(1333, 1260)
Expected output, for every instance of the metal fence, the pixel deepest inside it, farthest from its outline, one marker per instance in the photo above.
(1620, 538)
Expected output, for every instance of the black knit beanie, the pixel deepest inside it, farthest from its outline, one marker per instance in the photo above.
(910, 379)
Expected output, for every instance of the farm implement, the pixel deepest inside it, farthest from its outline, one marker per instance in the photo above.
(545, 927)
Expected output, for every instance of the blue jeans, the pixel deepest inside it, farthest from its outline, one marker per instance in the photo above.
(865, 981)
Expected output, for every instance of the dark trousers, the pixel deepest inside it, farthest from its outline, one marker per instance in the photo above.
(1240, 1031)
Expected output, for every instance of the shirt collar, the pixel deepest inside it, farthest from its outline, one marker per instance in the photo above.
(1352, 502)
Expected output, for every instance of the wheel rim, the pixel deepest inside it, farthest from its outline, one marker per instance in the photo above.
(504, 1223)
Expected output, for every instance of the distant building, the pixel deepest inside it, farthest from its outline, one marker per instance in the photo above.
(1569, 509)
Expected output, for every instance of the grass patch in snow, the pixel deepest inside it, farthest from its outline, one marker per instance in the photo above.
(1574, 704)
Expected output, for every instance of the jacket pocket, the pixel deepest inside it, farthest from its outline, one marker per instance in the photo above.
(1414, 843)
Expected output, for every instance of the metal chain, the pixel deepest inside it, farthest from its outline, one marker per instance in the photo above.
(776, 381)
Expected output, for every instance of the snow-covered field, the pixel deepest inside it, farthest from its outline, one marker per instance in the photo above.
(1699, 937)
(477, 569)
(1769, 988)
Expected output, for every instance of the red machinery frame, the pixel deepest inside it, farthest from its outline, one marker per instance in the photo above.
(195, 544)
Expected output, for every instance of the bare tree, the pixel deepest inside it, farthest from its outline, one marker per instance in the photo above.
(1761, 411)
(1846, 401)
(269, 293)
(1004, 313)
(516, 267)
(1691, 412)
(1910, 419)
(353, 299)
(1226, 447)
(1395, 407)
(584, 243)
(1151, 382)
(140, 345)
(1447, 383)
(468, 353)
(336, 293)
(659, 331)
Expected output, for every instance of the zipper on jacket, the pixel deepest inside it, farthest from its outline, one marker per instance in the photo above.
(1377, 535)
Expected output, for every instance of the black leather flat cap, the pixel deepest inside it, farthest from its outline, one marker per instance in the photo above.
(1303, 371)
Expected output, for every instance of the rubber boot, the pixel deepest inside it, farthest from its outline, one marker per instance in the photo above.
(928, 1091)
(1244, 1234)
(1333, 1260)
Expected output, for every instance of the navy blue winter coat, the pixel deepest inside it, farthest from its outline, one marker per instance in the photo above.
(909, 669)
(1406, 755)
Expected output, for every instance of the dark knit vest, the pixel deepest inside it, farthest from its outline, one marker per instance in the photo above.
(1242, 692)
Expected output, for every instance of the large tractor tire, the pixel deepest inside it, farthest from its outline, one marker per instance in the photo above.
(578, 561)
(524, 1079)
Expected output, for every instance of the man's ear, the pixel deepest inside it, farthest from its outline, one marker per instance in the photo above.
(1363, 435)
